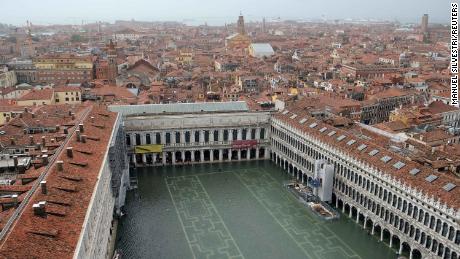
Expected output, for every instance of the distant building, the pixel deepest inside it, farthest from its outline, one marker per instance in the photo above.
(238, 40)
(64, 69)
(260, 50)
(7, 78)
(424, 24)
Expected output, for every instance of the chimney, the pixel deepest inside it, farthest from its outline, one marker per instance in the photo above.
(66, 131)
(15, 199)
(31, 139)
(7, 119)
(39, 208)
(12, 141)
(39, 146)
(60, 165)
(69, 152)
(92, 118)
(15, 161)
(33, 115)
(26, 110)
(83, 139)
(70, 113)
(43, 187)
(44, 141)
(20, 115)
(53, 140)
(80, 127)
(78, 135)
(44, 159)
(58, 127)
(73, 116)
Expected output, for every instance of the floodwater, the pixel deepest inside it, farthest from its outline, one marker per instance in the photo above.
(232, 210)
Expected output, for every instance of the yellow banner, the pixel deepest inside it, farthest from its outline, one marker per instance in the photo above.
(142, 149)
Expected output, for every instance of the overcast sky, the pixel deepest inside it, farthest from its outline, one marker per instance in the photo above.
(217, 11)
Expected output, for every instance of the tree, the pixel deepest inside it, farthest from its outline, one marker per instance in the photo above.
(76, 38)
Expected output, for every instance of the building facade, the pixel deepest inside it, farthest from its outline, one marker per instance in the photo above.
(405, 216)
(63, 69)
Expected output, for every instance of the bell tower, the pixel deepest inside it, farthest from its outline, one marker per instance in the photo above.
(241, 29)
(112, 72)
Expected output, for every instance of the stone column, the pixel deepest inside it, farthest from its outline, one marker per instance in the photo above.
(411, 254)
(173, 157)
(144, 159)
(373, 229)
(401, 248)
(182, 137)
(248, 154)
(239, 154)
(221, 155)
(248, 133)
(257, 133)
(192, 155)
(357, 216)
(201, 136)
(221, 135)
(239, 135)
(163, 137)
(154, 158)
(164, 158)
(391, 240)
(351, 212)
(182, 153)
(336, 200)
(211, 155)
(134, 159)
(381, 235)
(365, 220)
(201, 155)
(229, 154)
(211, 136)
(257, 153)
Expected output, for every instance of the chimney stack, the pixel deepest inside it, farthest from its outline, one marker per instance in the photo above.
(44, 141)
(26, 110)
(15, 199)
(80, 127)
(69, 152)
(31, 139)
(43, 187)
(12, 141)
(66, 131)
(33, 115)
(73, 116)
(7, 119)
(58, 127)
(40, 208)
(44, 159)
(25, 131)
(60, 165)
(15, 161)
(78, 135)
(83, 138)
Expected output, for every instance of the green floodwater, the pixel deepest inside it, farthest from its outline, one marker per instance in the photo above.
(232, 210)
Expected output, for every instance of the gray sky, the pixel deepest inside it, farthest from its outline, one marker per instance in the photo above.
(217, 11)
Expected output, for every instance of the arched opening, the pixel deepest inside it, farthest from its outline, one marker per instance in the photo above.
(178, 155)
(215, 154)
(386, 236)
(405, 250)
(168, 157)
(225, 155)
(377, 230)
(234, 155)
(207, 155)
(244, 154)
(261, 153)
(252, 154)
(197, 155)
(188, 156)
(369, 224)
(416, 254)
(396, 241)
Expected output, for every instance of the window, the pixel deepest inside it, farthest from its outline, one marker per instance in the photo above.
(138, 139)
(147, 139)
(168, 138)
(128, 140)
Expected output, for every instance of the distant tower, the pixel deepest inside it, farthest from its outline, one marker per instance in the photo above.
(424, 25)
(112, 71)
(264, 28)
(241, 29)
